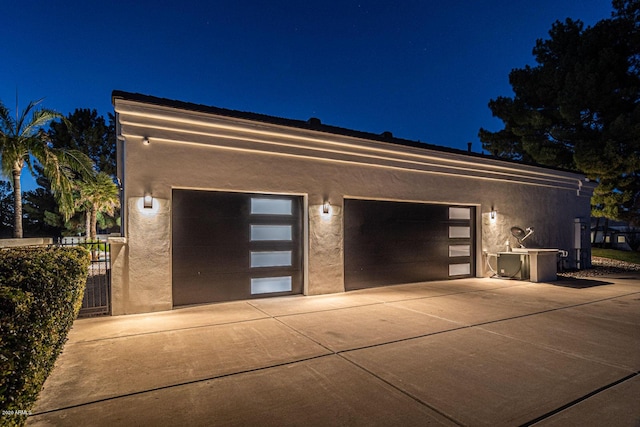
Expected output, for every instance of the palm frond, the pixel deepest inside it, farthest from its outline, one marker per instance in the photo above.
(77, 161)
(7, 124)
(6, 162)
(11, 156)
(21, 117)
(61, 167)
(39, 118)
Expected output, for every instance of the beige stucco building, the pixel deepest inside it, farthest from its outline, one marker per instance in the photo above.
(241, 205)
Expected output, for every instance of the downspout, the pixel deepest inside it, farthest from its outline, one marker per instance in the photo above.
(120, 173)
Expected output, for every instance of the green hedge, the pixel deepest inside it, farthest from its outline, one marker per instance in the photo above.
(41, 292)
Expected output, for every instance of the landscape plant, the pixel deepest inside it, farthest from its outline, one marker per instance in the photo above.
(41, 291)
(98, 195)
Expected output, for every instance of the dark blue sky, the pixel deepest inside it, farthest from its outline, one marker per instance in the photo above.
(424, 70)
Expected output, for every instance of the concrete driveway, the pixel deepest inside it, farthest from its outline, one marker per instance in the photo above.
(463, 352)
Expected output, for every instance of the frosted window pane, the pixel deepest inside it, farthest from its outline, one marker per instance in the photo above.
(271, 232)
(271, 259)
(459, 232)
(271, 206)
(459, 213)
(459, 269)
(265, 285)
(459, 250)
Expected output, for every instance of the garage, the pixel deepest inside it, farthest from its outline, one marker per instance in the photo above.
(272, 206)
(232, 246)
(389, 243)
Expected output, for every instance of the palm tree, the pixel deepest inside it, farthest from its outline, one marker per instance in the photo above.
(98, 195)
(21, 139)
(82, 205)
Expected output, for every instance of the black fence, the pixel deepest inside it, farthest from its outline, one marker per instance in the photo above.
(97, 294)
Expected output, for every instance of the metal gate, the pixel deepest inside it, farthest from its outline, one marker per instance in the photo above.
(97, 294)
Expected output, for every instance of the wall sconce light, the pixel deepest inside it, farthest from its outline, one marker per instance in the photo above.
(492, 215)
(145, 141)
(148, 201)
(326, 207)
(148, 205)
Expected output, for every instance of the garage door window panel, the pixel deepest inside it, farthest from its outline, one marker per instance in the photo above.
(459, 213)
(270, 259)
(456, 232)
(459, 269)
(269, 285)
(262, 206)
(459, 250)
(261, 232)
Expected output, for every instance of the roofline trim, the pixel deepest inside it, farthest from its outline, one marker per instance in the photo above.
(314, 126)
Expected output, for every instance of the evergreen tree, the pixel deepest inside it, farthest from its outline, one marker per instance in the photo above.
(40, 212)
(85, 131)
(579, 108)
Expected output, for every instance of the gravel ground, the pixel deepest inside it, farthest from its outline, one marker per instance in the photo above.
(603, 267)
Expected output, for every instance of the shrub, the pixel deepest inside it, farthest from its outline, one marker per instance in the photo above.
(41, 292)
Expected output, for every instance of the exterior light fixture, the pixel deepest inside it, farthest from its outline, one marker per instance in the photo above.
(145, 141)
(147, 205)
(326, 207)
(148, 201)
(492, 215)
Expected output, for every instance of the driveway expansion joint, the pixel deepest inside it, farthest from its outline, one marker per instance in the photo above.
(579, 400)
(181, 384)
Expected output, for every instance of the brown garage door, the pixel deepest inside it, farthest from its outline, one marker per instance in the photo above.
(230, 246)
(390, 243)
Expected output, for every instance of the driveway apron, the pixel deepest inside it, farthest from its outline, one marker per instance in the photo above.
(461, 352)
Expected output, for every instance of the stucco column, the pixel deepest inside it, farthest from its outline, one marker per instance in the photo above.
(149, 249)
(119, 274)
(326, 248)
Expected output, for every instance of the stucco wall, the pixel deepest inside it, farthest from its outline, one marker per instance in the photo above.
(149, 242)
(196, 151)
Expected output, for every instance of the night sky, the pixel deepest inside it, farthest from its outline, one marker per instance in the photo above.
(423, 70)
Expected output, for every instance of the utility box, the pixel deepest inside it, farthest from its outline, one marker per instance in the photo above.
(581, 244)
(536, 265)
(513, 265)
